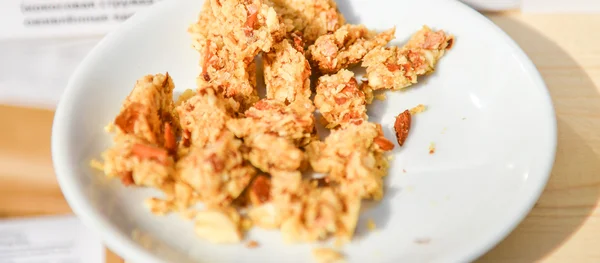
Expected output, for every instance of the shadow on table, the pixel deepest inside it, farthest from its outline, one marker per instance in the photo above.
(573, 189)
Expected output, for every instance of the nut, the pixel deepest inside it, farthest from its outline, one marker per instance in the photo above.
(402, 126)
(260, 190)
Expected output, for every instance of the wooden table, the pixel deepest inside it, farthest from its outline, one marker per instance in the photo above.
(564, 226)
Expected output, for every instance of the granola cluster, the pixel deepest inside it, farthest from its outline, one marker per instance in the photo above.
(247, 159)
(398, 67)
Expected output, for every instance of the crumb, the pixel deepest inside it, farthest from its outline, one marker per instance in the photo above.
(109, 127)
(404, 171)
(371, 224)
(380, 96)
(464, 118)
(252, 244)
(96, 165)
(246, 224)
(418, 109)
(444, 130)
(327, 255)
(422, 241)
(145, 240)
(188, 214)
(431, 148)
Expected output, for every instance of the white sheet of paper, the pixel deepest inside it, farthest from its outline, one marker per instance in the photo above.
(64, 18)
(560, 6)
(55, 239)
(43, 41)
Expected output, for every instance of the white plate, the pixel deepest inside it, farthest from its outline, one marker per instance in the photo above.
(490, 117)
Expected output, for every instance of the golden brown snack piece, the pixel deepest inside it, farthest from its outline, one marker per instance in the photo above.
(145, 130)
(346, 47)
(311, 17)
(248, 27)
(396, 68)
(294, 122)
(220, 68)
(283, 185)
(217, 172)
(311, 213)
(224, 67)
(270, 152)
(135, 161)
(402, 126)
(147, 108)
(287, 73)
(340, 100)
(203, 117)
(353, 158)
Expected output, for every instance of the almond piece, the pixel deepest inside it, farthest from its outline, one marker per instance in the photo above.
(383, 143)
(402, 126)
(127, 179)
(260, 189)
(150, 152)
(170, 142)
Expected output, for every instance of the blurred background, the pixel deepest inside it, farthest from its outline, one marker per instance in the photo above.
(43, 41)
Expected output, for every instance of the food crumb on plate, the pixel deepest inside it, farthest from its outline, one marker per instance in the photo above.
(109, 127)
(380, 96)
(327, 255)
(418, 109)
(252, 244)
(422, 241)
(432, 148)
(96, 164)
(371, 224)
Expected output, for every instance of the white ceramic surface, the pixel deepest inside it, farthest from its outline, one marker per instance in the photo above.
(490, 117)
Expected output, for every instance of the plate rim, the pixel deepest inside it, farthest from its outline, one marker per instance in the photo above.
(118, 242)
